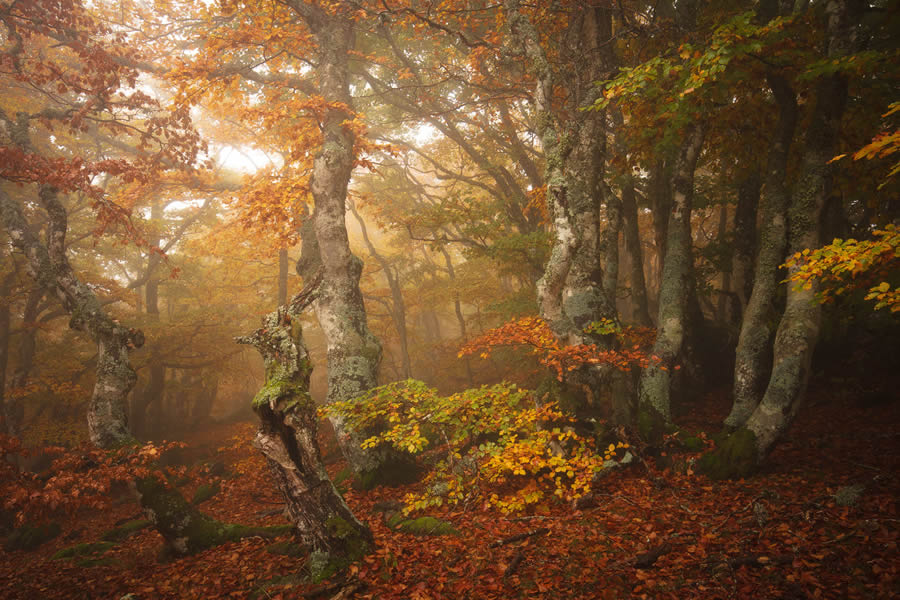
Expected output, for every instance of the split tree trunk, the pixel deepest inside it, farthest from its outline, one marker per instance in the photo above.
(753, 353)
(353, 352)
(743, 451)
(287, 436)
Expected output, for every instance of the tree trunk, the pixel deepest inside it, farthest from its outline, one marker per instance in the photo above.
(660, 196)
(753, 353)
(743, 451)
(27, 347)
(282, 276)
(287, 436)
(571, 292)
(398, 306)
(724, 302)
(151, 419)
(186, 530)
(5, 403)
(745, 239)
(353, 352)
(654, 406)
(48, 265)
(632, 234)
(460, 317)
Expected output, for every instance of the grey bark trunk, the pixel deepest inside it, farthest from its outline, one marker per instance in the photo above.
(48, 265)
(743, 451)
(353, 352)
(654, 391)
(398, 306)
(632, 234)
(571, 292)
(753, 353)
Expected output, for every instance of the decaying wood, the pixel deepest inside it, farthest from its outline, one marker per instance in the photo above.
(520, 536)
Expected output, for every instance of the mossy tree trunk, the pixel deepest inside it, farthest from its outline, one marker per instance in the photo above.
(575, 288)
(48, 265)
(798, 328)
(654, 390)
(186, 530)
(753, 353)
(287, 436)
(353, 351)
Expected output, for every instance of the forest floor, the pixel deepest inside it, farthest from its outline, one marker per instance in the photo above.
(650, 532)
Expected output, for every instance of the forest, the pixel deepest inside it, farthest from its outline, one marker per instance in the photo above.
(420, 299)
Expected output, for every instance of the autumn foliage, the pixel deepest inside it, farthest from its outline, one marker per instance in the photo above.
(497, 446)
(534, 334)
(846, 265)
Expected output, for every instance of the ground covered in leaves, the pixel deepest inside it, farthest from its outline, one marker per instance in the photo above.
(820, 522)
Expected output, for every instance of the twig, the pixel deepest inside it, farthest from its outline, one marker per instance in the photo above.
(514, 564)
(520, 536)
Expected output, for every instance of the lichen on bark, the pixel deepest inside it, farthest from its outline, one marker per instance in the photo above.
(287, 436)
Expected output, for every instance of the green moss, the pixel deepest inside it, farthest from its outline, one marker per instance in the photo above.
(187, 530)
(397, 469)
(286, 549)
(421, 526)
(341, 478)
(30, 537)
(735, 458)
(692, 444)
(322, 565)
(650, 424)
(125, 530)
(338, 527)
(205, 492)
(96, 562)
(83, 550)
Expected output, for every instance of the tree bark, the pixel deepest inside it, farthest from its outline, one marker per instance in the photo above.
(282, 276)
(632, 235)
(753, 353)
(743, 451)
(287, 435)
(745, 239)
(398, 306)
(49, 267)
(353, 352)
(654, 406)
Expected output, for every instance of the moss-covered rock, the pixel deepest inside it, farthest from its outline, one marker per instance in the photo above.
(91, 549)
(734, 458)
(125, 530)
(421, 525)
(397, 469)
(692, 444)
(205, 492)
(30, 537)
